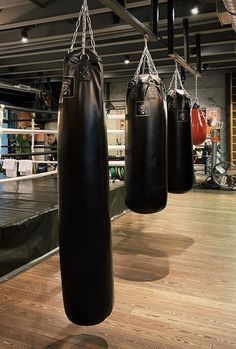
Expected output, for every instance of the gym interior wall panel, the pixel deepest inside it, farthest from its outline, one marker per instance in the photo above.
(211, 92)
(211, 89)
(118, 92)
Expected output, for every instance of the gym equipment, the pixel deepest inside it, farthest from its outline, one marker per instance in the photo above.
(145, 146)
(117, 172)
(199, 123)
(84, 219)
(224, 174)
(180, 152)
(219, 177)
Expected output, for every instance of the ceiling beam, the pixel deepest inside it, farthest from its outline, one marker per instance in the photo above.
(38, 3)
(131, 67)
(217, 51)
(13, 3)
(72, 15)
(180, 60)
(128, 18)
(42, 4)
(101, 34)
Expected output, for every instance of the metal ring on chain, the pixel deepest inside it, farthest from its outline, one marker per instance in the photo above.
(84, 55)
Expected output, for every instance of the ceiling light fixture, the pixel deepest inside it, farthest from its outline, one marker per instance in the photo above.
(126, 60)
(195, 8)
(24, 36)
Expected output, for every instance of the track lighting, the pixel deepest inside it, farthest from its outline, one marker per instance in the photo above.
(195, 8)
(24, 36)
(126, 60)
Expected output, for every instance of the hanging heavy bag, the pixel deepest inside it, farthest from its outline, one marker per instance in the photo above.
(145, 144)
(84, 219)
(180, 149)
(199, 125)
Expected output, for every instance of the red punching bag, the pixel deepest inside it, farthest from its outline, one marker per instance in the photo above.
(199, 125)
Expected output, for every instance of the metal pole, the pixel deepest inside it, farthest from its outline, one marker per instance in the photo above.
(30, 110)
(116, 18)
(155, 16)
(170, 16)
(186, 39)
(129, 18)
(214, 149)
(198, 53)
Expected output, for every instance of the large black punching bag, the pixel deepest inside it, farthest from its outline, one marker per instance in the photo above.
(180, 153)
(145, 145)
(84, 219)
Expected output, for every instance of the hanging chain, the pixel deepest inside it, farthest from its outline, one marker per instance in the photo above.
(172, 80)
(146, 57)
(196, 90)
(76, 30)
(176, 75)
(176, 78)
(84, 22)
(84, 15)
(91, 32)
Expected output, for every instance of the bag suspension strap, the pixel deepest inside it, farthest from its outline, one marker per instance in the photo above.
(145, 58)
(196, 92)
(86, 23)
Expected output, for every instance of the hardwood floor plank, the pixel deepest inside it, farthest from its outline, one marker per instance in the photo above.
(175, 285)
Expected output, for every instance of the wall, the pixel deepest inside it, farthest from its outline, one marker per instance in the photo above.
(211, 92)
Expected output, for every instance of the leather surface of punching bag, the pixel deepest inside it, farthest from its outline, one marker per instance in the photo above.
(84, 219)
(199, 125)
(180, 148)
(145, 146)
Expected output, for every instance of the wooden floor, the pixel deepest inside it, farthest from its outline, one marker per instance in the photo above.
(175, 285)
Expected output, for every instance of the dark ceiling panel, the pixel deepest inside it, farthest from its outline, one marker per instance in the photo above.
(51, 23)
(43, 3)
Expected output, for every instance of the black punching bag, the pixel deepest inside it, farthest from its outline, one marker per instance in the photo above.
(84, 219)
(145, 145)
(180, 153)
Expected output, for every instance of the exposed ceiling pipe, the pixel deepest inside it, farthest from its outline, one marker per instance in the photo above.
(18, 87)
(230, 6)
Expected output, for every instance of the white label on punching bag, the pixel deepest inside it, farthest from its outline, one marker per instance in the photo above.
(142, 108)
(68, 86)
(182, 116)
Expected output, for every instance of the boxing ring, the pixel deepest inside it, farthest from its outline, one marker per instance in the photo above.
(29, 209)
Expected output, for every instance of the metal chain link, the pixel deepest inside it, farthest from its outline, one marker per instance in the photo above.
(84, 15)
(196, 91)
(73, 41)
(171, 81)
(91, 32)
(176, 75)
(84, 23)
(176, 78)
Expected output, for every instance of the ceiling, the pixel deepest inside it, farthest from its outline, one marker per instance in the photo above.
(51, 23)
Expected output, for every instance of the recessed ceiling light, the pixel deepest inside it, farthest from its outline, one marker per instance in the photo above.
(126, 60)
(195, 8)
(24, 36)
